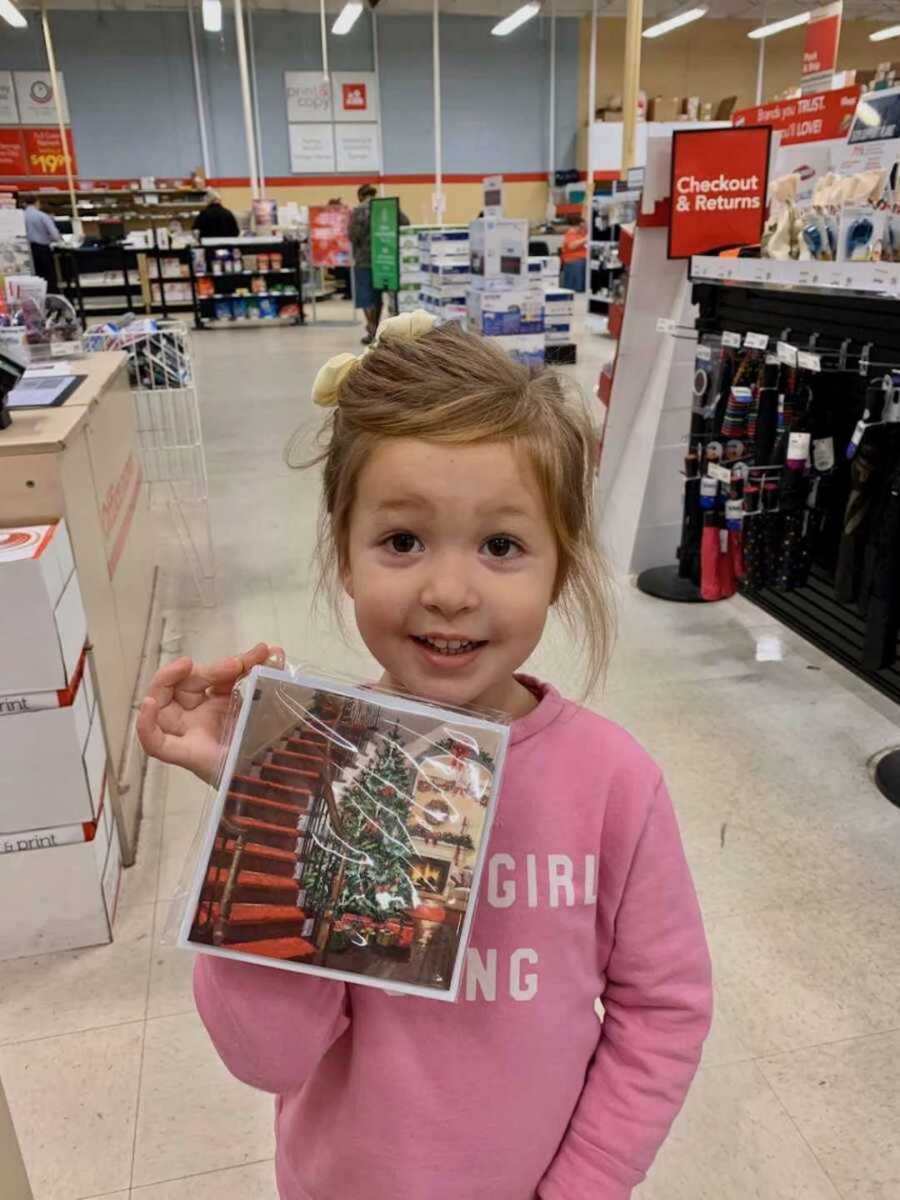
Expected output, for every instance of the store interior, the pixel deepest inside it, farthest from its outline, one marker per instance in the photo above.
(203, 167)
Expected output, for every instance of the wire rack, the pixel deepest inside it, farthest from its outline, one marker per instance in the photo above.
(163, 381)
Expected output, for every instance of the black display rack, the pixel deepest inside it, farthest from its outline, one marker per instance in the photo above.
(866, 328)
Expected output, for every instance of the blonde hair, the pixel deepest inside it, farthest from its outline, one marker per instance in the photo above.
(453, 387)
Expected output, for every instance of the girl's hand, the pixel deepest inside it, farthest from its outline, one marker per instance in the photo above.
(182, 719)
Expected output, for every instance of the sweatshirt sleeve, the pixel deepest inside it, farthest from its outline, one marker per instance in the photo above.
(658, 1003)
(271, 1028)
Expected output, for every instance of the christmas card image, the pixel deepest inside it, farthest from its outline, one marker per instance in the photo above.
(348, 835)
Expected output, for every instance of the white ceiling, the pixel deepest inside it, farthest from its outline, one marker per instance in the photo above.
(877, 11)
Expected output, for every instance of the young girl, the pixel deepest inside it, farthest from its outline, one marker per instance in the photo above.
(457, 510)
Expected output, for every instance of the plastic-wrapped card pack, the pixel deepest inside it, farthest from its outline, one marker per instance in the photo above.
(347, 835)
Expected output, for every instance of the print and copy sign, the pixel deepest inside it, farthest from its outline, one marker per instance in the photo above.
(9, 110)
(820, 46)
(358, 148)
(719, 180)
(355, 95)
(312, 149)
(308, 96)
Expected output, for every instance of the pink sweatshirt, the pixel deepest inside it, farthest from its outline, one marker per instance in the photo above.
(518, 1090)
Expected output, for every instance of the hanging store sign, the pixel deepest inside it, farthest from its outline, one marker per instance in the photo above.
(822, 117)
(9, 110)
(358, 148)
(384, 226)
(44, 152)
(355, 95)
(820, 46)
(308, 96)
(873, 143)
(719, 181)
(12, 153)
(311, 149)
(35, 99)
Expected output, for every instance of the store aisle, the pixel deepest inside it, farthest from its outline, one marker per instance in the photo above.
(113, 1084)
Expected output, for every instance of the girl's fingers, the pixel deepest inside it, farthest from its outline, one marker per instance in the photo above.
(164, 746)
(173, 675)
(226, 673)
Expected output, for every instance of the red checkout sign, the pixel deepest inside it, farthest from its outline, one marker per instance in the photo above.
(719, 181)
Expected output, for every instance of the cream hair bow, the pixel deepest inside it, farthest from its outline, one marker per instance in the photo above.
(327, 384)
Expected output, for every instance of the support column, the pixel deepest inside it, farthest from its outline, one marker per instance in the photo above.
(438, 141)
(57, 100)
(633, 21)
(245, 96)
(592, 103)
(198, 93)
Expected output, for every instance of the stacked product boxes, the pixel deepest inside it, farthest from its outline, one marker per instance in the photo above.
(59, 851)
(505, 300)
(559, 309)
(412, 277)
(444, 260)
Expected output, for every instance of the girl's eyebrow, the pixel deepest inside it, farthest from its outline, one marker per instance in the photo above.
(411, 502)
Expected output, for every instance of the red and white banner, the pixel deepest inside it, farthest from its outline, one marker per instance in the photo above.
(821, 117)
(719, 181)
(820, 46)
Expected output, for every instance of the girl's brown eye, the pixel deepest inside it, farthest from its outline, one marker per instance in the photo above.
(403, 543)
(500, 547)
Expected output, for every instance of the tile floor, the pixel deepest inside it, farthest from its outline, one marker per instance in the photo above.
(113, 1085)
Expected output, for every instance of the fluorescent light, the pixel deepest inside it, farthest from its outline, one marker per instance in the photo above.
(868, 114)
(777, 26)
(346, 18)
(212, 16)
(514, 20)
(11, 14)
(685, 18)
(882, 35)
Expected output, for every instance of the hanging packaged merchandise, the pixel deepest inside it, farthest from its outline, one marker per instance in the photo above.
(861, 235)
(709, 492)
(349, 825)
(712, 372)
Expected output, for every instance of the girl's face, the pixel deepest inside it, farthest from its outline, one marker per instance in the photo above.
(452, 562)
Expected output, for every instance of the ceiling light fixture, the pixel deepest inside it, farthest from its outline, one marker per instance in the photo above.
(765, 31)
(515, 19)
(882, 35)
(670, 23)
(212, 16)
(346, 18)
(11, 14)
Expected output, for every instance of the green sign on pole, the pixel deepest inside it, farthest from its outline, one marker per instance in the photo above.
(384, 218)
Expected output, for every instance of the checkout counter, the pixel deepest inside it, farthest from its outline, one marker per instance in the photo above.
(81, 461)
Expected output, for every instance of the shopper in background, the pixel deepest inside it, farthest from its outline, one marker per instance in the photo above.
(41, 231)
(458, 509)
(215, 220)
(367, 297)
(573, 254)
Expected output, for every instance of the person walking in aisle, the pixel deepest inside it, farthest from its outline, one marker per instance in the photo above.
(367, 297)
(458, 508)
(215, 220)
(574, 257)
(41, 231)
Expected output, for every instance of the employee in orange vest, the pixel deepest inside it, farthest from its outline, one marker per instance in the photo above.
(573, 253)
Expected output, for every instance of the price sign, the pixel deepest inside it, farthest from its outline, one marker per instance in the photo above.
(44, 152)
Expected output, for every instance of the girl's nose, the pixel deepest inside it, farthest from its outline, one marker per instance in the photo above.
(448, 590)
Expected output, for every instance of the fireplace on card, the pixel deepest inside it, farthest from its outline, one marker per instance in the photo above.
(430, 874)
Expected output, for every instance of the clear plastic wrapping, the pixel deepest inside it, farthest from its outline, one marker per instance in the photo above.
(346, 836)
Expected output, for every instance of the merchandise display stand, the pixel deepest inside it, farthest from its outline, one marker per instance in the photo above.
(108, 281)
(256, 272)
(608, 214)
(162, 374)
(856, 336)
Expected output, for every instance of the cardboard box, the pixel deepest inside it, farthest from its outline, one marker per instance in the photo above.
(506, 312)
(690, 108)
(52, 764)
(62, 884)
(664, 108)
(498, 251)
(44, 628)
(611, 116)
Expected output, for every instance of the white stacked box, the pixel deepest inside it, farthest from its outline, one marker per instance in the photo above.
(445, 267)
(559, 308)
(53, 755)
(412, 277)
(543, 269)
(505, 300)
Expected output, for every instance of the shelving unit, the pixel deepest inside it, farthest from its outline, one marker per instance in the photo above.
(229, 284)
(608, 213)
(137, 273)
(136, 208)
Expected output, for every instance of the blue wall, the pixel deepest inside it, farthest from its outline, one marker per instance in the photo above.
(131, 92)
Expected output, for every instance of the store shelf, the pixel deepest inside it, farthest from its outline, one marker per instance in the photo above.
(238, 274)
(849, 278)
(250, 322)
(250, 296)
